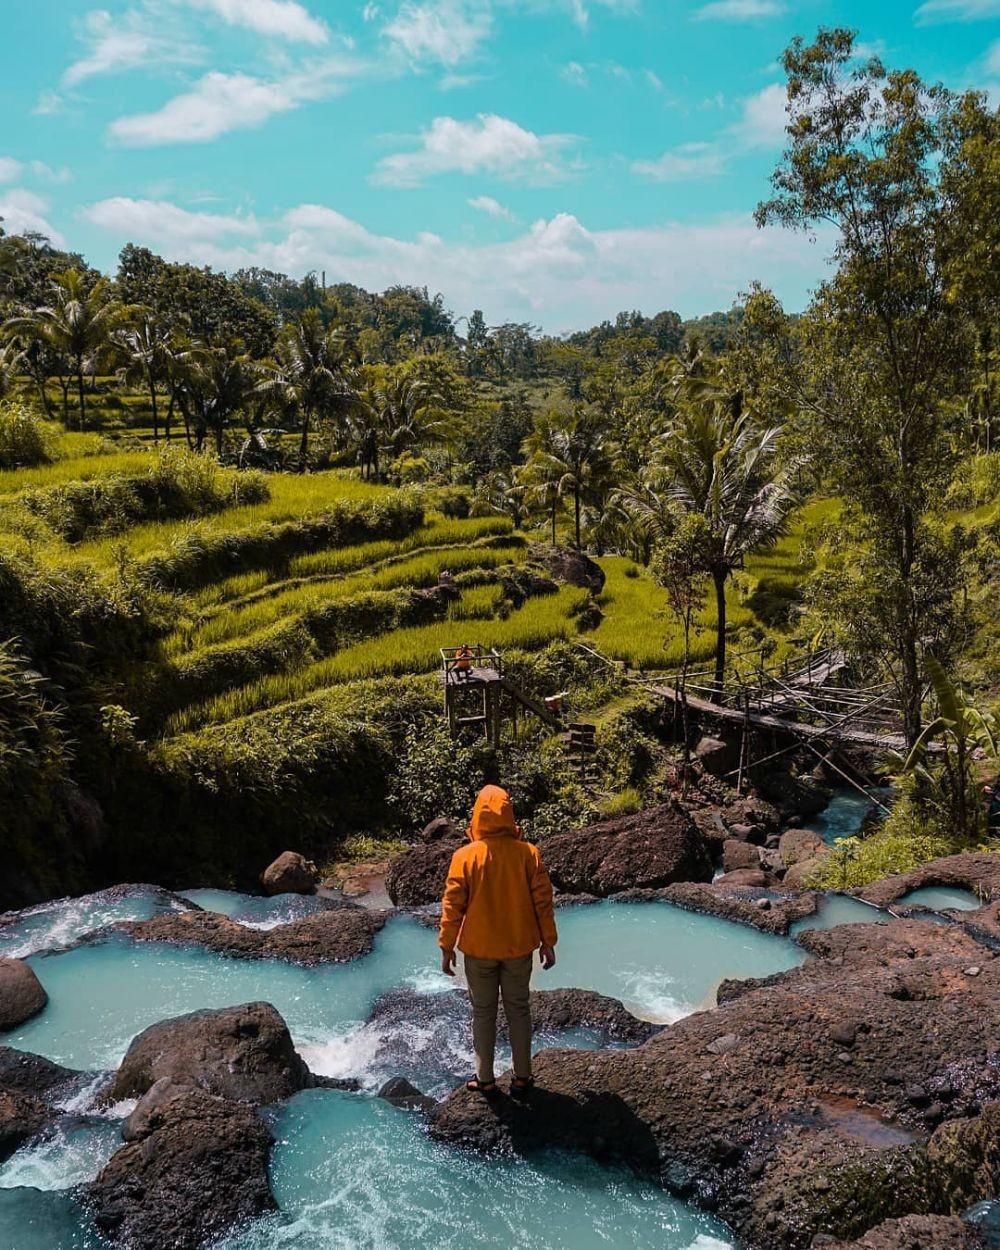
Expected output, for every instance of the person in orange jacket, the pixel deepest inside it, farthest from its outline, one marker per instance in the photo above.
(497, 909)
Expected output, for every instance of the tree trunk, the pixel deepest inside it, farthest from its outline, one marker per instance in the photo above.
(576, 514)
(908, 656)
(152, 397)
(719, 581)
(82, 398)
(46, 406)
(553, 524)
(167, 419)
(304, 441)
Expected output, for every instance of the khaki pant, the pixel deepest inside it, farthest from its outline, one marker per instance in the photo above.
(488, 979)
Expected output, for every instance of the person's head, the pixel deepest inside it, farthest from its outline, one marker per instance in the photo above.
(493, 815)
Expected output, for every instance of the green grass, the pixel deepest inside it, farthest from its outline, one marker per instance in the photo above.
(75, 468)
(412, 650)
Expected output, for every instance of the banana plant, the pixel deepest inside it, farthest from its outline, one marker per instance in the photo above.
(963, 731)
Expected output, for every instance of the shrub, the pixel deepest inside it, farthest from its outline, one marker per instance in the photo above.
(25, 441)
(624, 803)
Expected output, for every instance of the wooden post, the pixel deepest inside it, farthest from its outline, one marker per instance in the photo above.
(744, 741)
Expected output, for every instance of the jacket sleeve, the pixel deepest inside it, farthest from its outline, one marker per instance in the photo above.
(453, 904)
(541, 897)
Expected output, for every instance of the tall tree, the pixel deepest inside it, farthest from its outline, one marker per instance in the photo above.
(880, 157)
(145, 344)
(574, 451)
(76, 325)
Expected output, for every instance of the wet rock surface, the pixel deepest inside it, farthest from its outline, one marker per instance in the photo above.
(335, 935)
(857, 1088)
(33, 1074)
(21, 993)
(400, 1092)
(22, 1116)
(977, 872)
(655, 847)
(195, 1166)
(417, 876)
(913, 1232)
(240, 1053)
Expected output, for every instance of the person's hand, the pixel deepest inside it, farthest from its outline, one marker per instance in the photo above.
(448, 963)
(548, 957)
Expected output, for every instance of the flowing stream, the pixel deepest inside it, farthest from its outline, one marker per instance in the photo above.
(348, 1170)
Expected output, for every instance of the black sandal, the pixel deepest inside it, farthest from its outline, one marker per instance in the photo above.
(476, 1086)
(521, 1086)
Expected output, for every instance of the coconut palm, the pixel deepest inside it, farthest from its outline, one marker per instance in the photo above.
(721, 464)
(574, 450)
(146, 347)
(310, 374)
(76, 325)
(402, 413)
(221, 381)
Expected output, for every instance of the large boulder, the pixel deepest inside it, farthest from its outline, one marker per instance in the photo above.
(802, 1106)
(290, 873)
(913, 1232)
(334, 936)
(194, 1167)
(21, 993)
(33, 1074)
(569, 566)
(737, 854)
(797, 845)
(717, 756)
(417, 876)
(652, 848)
(22, 1115)
(241, 1053)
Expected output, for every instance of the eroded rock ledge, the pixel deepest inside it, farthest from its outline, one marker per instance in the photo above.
(326, 937)
(773, 911)
(976, 872)
(858, 1088)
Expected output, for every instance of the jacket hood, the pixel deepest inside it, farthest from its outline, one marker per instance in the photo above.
(493, 815)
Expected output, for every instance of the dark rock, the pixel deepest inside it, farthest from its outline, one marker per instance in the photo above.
(736, 854)
(812, 1160)
(571, 567)
(652, 848)
(796, 796)
(755, 877)
(331, 936)
(195, 1167)
(33, 1074)
(802, 872)
(843, 1032)
(717, 756)
(796, 845)
(21, 1116)
(400, 1093)
(242, 1053)
(21, 993)
(774, 911)
(290, 873)
(417, 876)
(913, 1232)
(441, 828)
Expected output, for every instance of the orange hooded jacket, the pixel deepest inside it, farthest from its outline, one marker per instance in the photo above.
(498, 898)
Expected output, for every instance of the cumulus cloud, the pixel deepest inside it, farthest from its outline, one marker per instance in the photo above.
(956, 11)
(764, 118)
(25, 211)
(688, 162)
(10, 169)
(491, 207)
(556, 271)
(488, 144)
(738, 10)
(284, 19)
(218, 103)
(114, 44)
(443, 32)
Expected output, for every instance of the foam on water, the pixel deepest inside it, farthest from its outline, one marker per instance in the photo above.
(843, 815)
(72, 1155)
(62, 922)
(258, 911)
(355, 1174)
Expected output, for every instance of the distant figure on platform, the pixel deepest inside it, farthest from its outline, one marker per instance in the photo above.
(497, 909)
(463, 662)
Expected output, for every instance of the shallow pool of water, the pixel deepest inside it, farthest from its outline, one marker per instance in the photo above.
(940, 897)
(837, 909)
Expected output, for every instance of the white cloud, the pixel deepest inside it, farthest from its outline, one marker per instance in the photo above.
(575, 74)
(172, 225)
(285, 19)
(686, 163)
(48, 104)
(993, 59)
(24, 211)
(764, 119)
(118, 43)
(489, 144)
(442, 32)
(491, 207)
(956, 11)
(219, 103)
(556, 271)
(10, 169)
(738, 10)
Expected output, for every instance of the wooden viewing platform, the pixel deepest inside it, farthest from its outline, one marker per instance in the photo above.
(474, 687)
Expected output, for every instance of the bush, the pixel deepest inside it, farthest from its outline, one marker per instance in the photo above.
(624, 803)
(25, 441)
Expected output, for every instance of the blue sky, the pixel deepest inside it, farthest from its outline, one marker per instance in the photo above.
(545, 160)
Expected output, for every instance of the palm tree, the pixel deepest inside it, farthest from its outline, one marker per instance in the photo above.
(146, 346)
(309, 374)
(539, 474)
(76, 326)
(577, 454)
(182, 366)
(220, 382)
(722, 465)
(403, 413)
(10, 360)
